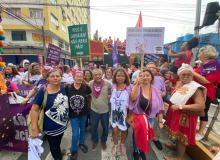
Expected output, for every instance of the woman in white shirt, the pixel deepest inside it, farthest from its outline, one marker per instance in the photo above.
(66, 71)
(33, 75)
(11, 74)
(108, 74)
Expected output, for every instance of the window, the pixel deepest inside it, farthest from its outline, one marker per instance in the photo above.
(66, 47)
(14, 12)
(72, 1)
(54, 2)
(63, 28)
(60, 42)
(18, 35)
(73, 24)
(62, 12)
(75, 8)
(54, 20)
(36, 14)
(68, 19)
(67, 5)
(72, 13)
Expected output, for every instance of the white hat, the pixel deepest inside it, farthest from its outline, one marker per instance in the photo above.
(185, 67)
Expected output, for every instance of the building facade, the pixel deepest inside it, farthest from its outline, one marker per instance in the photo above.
(24, 40)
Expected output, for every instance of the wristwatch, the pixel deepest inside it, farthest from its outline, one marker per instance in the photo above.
(180, 107)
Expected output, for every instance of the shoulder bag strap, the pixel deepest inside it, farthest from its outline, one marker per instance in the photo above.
(45, 99)
(29, 77)
(148, 101)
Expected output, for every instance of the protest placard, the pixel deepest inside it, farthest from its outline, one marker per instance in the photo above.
(53, 54)
(79, 42)
(145, 40)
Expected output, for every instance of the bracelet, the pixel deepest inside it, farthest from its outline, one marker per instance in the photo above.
(160, 122)
(28, 97)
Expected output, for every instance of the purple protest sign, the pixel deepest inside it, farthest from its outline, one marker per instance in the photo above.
(19, 114)
(53, 54)
(7, 130)
(20, 141)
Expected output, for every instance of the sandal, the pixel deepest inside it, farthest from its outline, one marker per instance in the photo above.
(64, 151)
(171, 146)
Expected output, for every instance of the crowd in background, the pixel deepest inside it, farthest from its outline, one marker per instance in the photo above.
(122, 98)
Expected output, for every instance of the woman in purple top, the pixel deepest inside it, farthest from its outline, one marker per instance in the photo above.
(40, 83)
(141, 95)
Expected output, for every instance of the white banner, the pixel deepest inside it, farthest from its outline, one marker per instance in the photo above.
(147, 40)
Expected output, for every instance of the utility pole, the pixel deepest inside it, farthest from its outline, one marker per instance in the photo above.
(196, 31)
(44, 44)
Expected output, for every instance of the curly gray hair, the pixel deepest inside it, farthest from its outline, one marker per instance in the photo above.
(209, 52)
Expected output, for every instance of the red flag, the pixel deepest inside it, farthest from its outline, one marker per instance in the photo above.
(139, 24)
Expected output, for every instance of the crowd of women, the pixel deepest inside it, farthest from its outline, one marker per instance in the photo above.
(120, 99)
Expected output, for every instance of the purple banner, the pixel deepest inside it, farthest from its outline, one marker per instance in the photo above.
(7, 130)
(24, 91)
(115, 56)
(19, 114)
(53, 54)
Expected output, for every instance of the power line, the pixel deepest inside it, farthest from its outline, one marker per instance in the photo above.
(26, 22)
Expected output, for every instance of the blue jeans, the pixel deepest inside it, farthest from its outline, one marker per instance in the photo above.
(94, 122)
(151, 121)
(78, 123)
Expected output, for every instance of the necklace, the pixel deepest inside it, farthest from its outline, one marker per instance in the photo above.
(120, 92)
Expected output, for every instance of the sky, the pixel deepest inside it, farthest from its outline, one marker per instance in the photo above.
(112, 17)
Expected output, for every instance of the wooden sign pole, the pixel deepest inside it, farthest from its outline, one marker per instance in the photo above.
(142, 63)
(81, 64)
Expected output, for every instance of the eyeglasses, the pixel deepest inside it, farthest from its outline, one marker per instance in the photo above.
(186, 75)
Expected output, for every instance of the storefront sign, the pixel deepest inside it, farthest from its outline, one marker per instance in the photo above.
(53, 54)
(79, 42)
(39, 38)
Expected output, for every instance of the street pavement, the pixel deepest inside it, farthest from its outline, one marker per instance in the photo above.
(155, 154)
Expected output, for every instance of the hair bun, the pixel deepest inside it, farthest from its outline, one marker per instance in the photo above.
(193, 42)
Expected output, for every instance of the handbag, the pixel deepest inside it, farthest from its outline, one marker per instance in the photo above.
(15, 99)
(40, 122)
(130, 115)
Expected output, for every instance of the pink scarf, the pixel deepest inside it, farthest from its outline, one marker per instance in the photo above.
(97, 89)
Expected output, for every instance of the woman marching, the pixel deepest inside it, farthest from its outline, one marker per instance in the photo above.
(119, 105)
(41, 82)
(109, 74)
(147, 101)
(56, 110)
(78, 108)
(11, 74)
(186, 104)
(33, 75)
(207, 74)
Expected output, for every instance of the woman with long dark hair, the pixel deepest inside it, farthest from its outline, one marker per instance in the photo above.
(185, 56)
(11, 74)
(119, 105)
